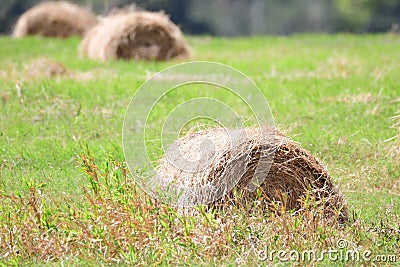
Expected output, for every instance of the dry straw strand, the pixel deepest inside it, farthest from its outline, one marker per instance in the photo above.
(294, 174)
(135, 35)
(396, 124)
(55, 19)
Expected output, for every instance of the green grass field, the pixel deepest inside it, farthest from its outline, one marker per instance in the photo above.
(65, 196)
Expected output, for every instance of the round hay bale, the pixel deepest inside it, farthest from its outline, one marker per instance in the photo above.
(135, 35)
(293, 173)
(55, 19)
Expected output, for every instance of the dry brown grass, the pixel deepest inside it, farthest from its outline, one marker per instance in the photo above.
(105, 231)
(363, 98)
(396, 125)
(117, 223)
(45, 68)
(135, 35)
(55, 19)
(295, 174)
(108, 228)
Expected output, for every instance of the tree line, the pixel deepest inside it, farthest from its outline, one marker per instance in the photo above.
(248, 17)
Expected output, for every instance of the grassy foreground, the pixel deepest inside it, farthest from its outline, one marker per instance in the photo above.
(66, 196)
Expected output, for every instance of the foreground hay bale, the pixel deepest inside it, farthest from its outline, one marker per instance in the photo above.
(135, 35)
(55, 19)
(294, 173)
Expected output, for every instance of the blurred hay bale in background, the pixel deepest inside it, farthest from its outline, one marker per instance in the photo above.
(55, 19)
(135, 35)
(294, 173)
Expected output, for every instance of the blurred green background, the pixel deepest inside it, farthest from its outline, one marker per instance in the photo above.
(248, 17)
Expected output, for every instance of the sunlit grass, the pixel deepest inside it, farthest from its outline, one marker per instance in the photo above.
(336, 95)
